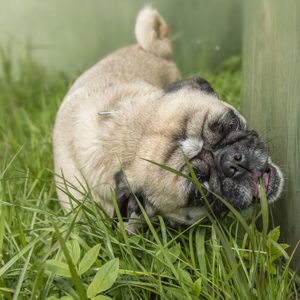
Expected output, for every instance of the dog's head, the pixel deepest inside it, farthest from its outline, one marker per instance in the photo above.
(226, 156)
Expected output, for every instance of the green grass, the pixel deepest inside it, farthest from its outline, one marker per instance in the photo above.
(85, 255)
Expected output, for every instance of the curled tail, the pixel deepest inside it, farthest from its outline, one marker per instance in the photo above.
(152, 33)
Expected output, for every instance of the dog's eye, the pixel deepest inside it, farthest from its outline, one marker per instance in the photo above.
(225, 124)
(220, 126)
(234, 124)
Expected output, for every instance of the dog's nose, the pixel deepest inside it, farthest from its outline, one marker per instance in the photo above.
(233, 164)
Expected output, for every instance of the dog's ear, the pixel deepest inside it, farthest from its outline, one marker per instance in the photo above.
(193, 83)
(125, 199)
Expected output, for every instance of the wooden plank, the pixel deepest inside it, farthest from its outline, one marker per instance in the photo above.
(271, 96)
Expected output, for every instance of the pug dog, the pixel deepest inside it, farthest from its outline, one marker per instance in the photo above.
(132, 109)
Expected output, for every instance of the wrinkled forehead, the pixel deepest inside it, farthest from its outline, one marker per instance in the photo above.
(220, 123)
(213, 115)
(202, 115)
(198, 94)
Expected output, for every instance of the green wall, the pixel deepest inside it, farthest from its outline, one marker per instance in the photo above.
(70, 35)
(271, 69)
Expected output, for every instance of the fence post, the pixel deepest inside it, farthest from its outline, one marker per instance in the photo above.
(271, 96)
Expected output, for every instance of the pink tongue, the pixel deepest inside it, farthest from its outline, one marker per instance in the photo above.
(255, 189)
(266, 178)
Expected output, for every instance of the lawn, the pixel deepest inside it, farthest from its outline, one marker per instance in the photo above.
(84, 255)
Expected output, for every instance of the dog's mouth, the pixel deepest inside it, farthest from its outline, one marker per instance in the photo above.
(267, 180)
(270, 178)
(236, 173)
(272, 181)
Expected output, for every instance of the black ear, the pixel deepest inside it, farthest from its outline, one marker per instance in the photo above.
(193, 83)
(125, 199)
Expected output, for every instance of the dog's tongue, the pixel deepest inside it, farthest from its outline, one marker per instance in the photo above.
(265, 177)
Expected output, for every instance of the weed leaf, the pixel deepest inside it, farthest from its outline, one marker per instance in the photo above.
(185, 277)
(89, 259)
(196, 287)
(274, 234)
(101, 297)
(62, 298)
(58, 268)
(74, 250)
(104, 279)
(175, 252)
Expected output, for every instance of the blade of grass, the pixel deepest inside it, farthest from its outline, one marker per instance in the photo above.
(167, 168)
(22, 275)
(2, 229)
(11, 161)
(70, 228)
(191, 246)
(240, 277)
(200, 246)
(161, 247)
(264, 210)
(77, 282)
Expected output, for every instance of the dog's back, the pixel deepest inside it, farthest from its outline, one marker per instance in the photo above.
(126, 72)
